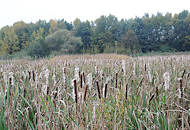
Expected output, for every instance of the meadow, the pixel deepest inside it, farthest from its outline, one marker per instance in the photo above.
(105, 91)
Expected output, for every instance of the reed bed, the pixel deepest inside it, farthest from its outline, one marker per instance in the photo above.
(96, 92)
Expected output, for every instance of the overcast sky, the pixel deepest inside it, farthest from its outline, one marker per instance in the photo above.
(32, 10)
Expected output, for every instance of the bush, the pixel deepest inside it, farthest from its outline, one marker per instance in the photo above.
(60, 42)
(38, 49)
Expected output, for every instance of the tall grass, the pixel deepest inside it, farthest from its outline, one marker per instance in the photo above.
(96, 92)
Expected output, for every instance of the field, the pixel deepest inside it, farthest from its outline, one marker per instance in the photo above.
(96, 92)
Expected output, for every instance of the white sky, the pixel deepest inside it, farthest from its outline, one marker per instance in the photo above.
(32, 10)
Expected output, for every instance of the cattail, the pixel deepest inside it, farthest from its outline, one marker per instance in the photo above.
(134, 68)
(85, 92)
(11, 78)
(47, 76)
(29, 75)
(123, 67)
(116, 80)
(180, 90)
(96, 69)
(46, 86)
(105, 90)
(81, 81)
(33, 76)
(64, 76)
(151, 98)
(98, 88)
(149, 76)
(166, 77)
(77, 74)
(183, 74)
(126, 91)
(156, 91)
(89, 80)
(84, 80)
(75, 90)
(144, 67)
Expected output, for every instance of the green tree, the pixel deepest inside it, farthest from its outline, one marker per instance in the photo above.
(130, 42)
(84, 31)
(53, 26)
(183, 14)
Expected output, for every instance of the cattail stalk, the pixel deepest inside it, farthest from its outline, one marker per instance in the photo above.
(181, 97)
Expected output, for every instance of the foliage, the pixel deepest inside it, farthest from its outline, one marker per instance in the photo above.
(160, 32)
(61, 41)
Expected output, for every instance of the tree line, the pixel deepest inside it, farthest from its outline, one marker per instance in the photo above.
(107, 34)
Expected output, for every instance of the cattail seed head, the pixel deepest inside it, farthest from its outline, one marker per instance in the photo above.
(89, 80)
(166, 77)
(11, 79)
(64, 75)
(77, 74)
(123, 67)
(149, 76)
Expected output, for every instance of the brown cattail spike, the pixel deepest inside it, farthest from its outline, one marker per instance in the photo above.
(126, 89)
(84, 77)
(183, 73)
(156, 91)
(75, 89)
(85, 92)
(98, 88)
(33, 75)
(29, 73)
(116, 80)
(151, 98)
(81, 80)
(181, 87)
(105, 91)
